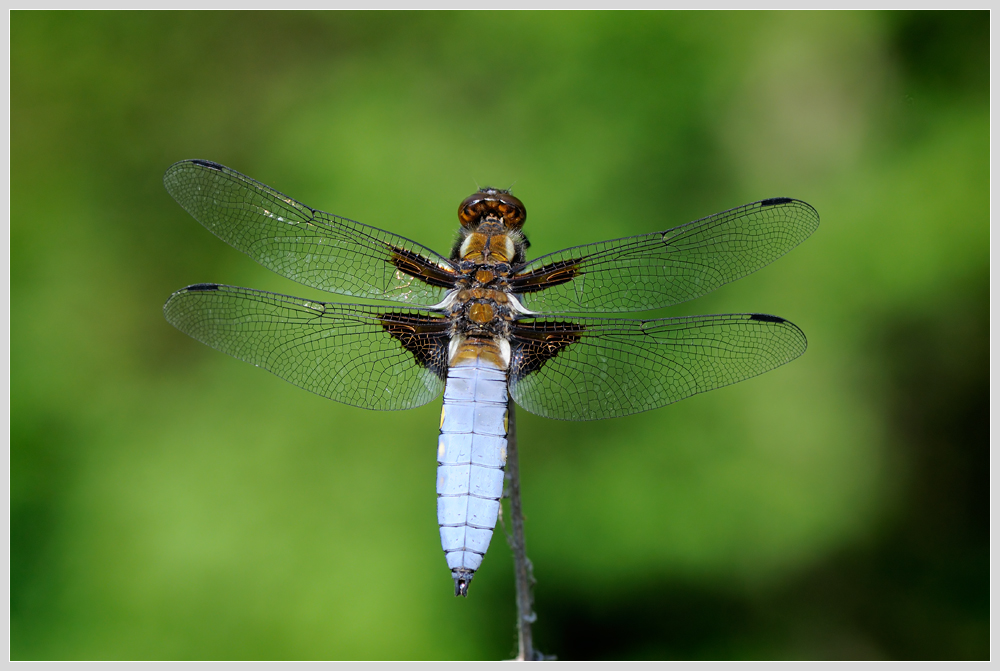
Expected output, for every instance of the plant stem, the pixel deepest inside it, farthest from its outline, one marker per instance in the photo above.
(523, 578)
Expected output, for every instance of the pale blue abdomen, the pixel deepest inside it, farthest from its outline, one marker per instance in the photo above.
(472, 452)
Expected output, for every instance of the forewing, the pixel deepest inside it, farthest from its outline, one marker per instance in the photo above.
(365, 356)
(665, 268)
(581, 369)
(315, 248)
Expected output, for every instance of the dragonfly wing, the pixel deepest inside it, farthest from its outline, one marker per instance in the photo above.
(315, 248)
(365, 356)
(600, 368)
(665, 268)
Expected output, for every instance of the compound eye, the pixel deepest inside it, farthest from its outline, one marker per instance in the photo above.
(470, 209)
(512, 210)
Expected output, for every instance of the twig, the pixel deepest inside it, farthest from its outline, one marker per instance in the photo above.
(523, 578)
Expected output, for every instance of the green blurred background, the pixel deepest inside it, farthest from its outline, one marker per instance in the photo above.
(168, 501)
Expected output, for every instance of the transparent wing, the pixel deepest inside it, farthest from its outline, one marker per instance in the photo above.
(665, 268)
(600, 368)
(309, 246)
(365, 356)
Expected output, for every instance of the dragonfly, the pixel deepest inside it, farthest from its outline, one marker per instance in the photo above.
(484, 325)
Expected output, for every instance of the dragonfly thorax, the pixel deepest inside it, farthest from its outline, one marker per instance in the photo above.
(489, 244)
(482, 312)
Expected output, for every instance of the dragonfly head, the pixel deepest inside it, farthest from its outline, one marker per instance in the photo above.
(496, 203)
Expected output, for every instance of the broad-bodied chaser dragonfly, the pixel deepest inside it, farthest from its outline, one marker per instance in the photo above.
(488, 326)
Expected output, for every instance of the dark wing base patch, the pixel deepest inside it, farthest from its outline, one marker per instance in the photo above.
(420, 267)
(532, 346)
(426, 338)
(550, 275)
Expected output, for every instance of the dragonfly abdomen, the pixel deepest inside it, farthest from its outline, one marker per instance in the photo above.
(472, 452)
